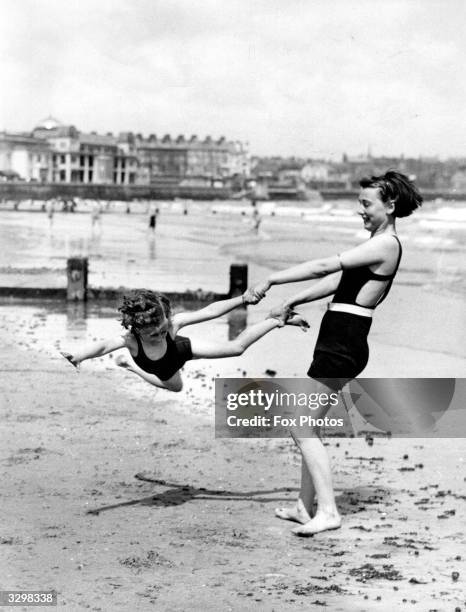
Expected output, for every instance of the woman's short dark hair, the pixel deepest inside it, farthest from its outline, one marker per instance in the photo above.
(143, 307)
(397, 187)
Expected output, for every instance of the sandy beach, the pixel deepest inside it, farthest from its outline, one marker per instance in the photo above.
(120, 497)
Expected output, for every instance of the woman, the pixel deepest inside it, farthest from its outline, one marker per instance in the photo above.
(359, 279)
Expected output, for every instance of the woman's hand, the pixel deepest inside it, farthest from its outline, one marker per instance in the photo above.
(258, 291)
(250, 298)
(254, 295)
(285, 315)
(281, 312)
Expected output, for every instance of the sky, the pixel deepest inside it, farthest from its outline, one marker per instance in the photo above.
(311, 78)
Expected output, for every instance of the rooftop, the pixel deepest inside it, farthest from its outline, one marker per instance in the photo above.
(49, 123)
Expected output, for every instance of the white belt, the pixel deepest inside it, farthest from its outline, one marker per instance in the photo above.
(351, 308)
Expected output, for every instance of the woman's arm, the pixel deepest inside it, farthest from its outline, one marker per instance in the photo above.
(320, 289)
(371, 252)
(96, 349)
(308, 270)
(217, 309)
(377, 250)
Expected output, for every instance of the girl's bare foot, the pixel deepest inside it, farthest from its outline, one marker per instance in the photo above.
(123, 362)
(297, 513)
(321, 522)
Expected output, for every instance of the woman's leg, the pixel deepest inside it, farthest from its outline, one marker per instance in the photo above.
(315, 458)
(303, 510)
(316, 479)
(174, 383)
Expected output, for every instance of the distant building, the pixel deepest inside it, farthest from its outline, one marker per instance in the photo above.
(313, 174)
(194, 161)
(78, 157)
(62, 154)
(25, 157)
(318, 171)
(458, 180)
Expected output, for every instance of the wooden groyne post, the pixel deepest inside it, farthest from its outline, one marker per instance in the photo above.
(238, 279)
(76, 271)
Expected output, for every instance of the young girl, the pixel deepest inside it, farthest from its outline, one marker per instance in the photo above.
(158, 352)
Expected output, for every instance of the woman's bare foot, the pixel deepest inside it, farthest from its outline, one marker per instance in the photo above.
(321, 522)
(297, 513)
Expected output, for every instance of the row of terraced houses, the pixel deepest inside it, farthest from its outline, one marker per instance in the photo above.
(57, 153)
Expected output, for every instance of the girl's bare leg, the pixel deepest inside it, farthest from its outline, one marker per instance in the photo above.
(234, 348)
(174, 383)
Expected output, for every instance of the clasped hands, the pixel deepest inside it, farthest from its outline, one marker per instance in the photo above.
(253, 295)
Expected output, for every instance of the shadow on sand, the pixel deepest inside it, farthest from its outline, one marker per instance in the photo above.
(353, 501)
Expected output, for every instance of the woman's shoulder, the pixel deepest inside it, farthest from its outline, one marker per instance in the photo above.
(389, 248)
(388, 242)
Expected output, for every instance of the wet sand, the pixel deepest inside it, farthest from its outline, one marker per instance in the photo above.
(196, 529)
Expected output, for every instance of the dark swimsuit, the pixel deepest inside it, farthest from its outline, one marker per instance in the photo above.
(341, 351)
(177, 354)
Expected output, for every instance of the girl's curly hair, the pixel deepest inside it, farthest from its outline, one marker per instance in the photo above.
(398, 187)
(143, 307)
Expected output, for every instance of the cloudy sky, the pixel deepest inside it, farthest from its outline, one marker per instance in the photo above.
(305, 77)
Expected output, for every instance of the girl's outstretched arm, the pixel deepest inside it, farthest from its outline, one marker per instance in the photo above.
(96, 349)
(214, 310)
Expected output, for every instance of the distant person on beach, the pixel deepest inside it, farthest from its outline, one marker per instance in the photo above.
(50, 210)
(96, 214)
(256, 218)
(157, 351)
(359, 279)
(153, 214)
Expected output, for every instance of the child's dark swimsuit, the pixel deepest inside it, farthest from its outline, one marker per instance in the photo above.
(341, 351)
(177, 354)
